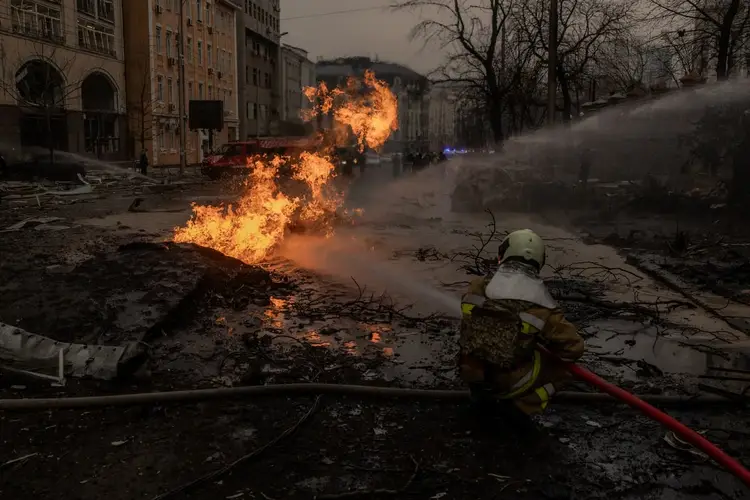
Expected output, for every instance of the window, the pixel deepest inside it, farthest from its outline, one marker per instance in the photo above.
(200, 52)
(247, 74)
(169, 43)
(101, 9)
(255, 76)
(209, 57)
(106, 10)
(86, 7)
(170, 4)
(208, 14)
(198, 10)
(190, 90)
(33, 19)
(96, 37)
(190, 49)
(160, 88)
(158, 39)
(228, 65)
(267, 80)
(200, 91)
(170, 97)
(210, 92)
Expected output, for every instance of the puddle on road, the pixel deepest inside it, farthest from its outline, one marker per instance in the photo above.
(618, 342)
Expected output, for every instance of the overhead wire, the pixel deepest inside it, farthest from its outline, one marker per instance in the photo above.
(338, 12)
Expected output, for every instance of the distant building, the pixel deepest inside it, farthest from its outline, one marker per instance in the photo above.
(62, 77)
(298, 72)
(410, 88)
(442, 118)
(258, 57)
(152, 34)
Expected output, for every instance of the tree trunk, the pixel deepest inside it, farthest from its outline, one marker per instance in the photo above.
(565, 90)
(725, 36)
(496, 120)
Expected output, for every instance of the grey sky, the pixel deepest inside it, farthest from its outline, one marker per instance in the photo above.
(377, 32)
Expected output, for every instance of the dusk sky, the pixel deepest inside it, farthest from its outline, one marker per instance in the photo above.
(368, 29)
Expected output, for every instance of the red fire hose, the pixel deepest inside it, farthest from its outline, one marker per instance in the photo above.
(681, 430)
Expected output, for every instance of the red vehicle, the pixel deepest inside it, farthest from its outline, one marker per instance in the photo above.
(233, 157)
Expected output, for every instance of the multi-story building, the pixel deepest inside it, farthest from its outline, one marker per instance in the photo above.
(411, 90)
(62, 76)
(152, 35)
(258, 55)
(298, 72)
(442, 119)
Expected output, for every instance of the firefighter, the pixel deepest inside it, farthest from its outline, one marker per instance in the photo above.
(506, 316)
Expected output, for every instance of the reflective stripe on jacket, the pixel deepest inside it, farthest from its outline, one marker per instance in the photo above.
(538, 325)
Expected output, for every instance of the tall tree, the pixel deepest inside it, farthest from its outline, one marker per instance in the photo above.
(586, 27)
(474, 34)
(719, 29)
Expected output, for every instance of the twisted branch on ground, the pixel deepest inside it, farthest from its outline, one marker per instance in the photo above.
(374, 492)
(596, 272)
(365, 307)
(212, 476)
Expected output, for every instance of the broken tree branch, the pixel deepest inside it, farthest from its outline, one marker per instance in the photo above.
(374, 492)
(243, 459)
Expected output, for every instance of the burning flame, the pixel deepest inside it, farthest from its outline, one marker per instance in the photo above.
(251, 228)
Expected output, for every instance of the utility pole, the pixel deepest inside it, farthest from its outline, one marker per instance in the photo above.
(183, 121)
(552, 63)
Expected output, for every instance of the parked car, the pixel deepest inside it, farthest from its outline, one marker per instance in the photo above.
(234, 158)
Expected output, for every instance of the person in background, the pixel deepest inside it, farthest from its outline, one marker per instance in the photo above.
(144, 162)
(506, 317)
(396, 160)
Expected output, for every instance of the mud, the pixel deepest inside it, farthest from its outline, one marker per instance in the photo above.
(127, 295)
(338, 313)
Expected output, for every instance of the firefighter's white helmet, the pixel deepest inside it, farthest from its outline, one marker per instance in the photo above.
(523, 245)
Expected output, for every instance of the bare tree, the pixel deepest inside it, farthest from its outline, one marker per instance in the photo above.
(474, 33)
(42, 85)
(586, 27)
(141, 105)
(625, 62)
(716, 30)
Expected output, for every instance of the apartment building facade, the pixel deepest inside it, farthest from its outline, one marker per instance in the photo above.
(153, 32)
(62, 77)
(442, 119)
(258, 59)
(298, 72)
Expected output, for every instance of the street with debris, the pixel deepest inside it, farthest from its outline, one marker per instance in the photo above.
(370, 305)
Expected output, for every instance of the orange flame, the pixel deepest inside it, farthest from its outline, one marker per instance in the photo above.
(250, 229)
(368, 107)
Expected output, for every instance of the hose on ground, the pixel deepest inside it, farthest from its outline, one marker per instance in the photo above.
(310, 389)
(688, 434)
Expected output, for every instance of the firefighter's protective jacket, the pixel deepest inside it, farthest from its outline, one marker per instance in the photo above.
(505, 317)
